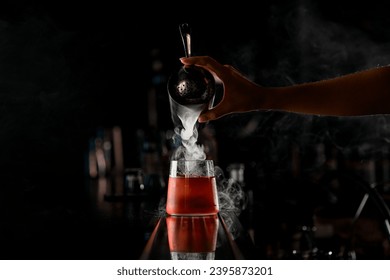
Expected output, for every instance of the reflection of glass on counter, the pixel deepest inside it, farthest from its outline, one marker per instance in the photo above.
(192, 237)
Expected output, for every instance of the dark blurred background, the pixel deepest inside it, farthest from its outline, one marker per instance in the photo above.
(69, 69)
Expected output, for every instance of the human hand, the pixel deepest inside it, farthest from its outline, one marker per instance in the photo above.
(239, 93)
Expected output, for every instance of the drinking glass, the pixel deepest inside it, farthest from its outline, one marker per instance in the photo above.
(192, 188)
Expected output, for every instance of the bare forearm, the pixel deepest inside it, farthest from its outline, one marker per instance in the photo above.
(360, 93)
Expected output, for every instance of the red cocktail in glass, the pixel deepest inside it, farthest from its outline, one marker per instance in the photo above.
(192, 188)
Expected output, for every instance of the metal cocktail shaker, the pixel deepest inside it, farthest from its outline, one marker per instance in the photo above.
(191, 85)
(191, 89)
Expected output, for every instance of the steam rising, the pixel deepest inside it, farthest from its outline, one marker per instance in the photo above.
(186, 131)
(231, 196)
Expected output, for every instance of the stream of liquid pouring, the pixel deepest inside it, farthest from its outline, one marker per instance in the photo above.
(185, 121)
(188, 119)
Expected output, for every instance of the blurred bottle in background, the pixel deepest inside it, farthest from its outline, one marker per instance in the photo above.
(153, 145)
